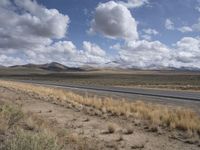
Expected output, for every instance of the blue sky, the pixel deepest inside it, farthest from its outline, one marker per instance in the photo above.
(153, 15)
(80, 13)
(134, 33)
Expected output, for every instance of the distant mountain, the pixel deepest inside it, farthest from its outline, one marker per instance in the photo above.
(2, 66)
(112, 65)
(121, 65)
(185, 69)
(54, 66)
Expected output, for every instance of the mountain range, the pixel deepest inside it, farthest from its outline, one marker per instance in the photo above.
(54, 66)
(57, 67)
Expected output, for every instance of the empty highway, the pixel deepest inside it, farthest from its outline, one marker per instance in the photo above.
(154, 93)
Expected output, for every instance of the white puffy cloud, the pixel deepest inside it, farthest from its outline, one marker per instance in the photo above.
(27, 30)
(169, 25)
(42, 21)
(186, 53)
(185, 29)
(188, 50)
(5, 60)
(64, 52)
(193, 28)
(34, 34)
(93, 49)
(144, 54)
(25, 24)
(155, 55)
(196, 26)
(114, 20)
(146, 37)
(4, 2)
(150, 31)
(91, 54)
(198, 6)
(134, 3)
(63, 47)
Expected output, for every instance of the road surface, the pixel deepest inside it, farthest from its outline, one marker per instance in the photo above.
(166, 97)
(154, 93)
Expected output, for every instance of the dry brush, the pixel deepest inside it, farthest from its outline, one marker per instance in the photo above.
(156, 114)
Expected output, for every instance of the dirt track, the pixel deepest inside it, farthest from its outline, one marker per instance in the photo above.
(91, 124)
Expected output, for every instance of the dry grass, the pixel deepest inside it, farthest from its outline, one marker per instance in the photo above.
(128, 130)
(19, 131)
(17, 137)
(166, 86)
(175, 118)
(32, 132)
(112, 127)
(9, 117)
(23, 140)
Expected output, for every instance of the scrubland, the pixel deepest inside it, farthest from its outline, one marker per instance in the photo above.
(18, 131)
(119, 115)
(179, 118)
(174, 80)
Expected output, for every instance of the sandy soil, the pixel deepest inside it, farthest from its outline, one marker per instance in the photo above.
(91, 124)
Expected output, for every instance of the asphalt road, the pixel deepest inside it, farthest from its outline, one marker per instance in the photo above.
(151, 93)
(167, 97)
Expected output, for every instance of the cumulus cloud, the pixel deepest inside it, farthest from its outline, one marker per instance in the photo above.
(4, 2)
(114, 20)
(144, 54)
(61, 51)
(29, 24)
(169, 25)
(193, 28)
(42, 21)
(155, 55)
(27, 31)
(188, 51)
(34, 34)
(146, 37)
(198, 6)
(64, 52)
(196, 26)
(134, 3)
(150, 31)
(5, 60)
(63, 47)
(93, 49)
(185, 29)
(92, 54)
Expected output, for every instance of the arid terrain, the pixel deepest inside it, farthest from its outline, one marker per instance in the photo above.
(57, 73)
(99, 75)
(71, 121)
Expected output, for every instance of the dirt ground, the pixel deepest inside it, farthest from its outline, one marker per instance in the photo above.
(103, 131)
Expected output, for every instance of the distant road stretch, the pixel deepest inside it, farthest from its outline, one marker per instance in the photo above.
(150, 93)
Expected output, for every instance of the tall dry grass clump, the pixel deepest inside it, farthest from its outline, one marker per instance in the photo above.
(9, 117)
(23, 140)
(175, 118)
(15, 137)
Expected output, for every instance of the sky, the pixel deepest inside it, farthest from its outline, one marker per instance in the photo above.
(145, 34)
